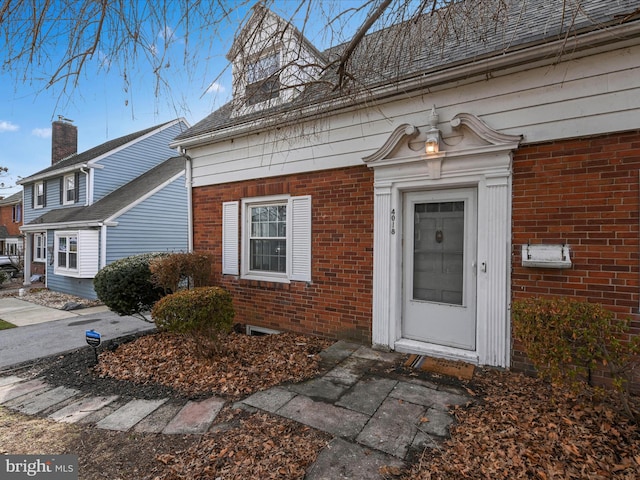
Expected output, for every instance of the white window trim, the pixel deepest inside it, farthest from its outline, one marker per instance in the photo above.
(57, 269)
(35, 195)
(298, 238)
(71, 176)
(246, 226)
(43, 236)
(88, 254)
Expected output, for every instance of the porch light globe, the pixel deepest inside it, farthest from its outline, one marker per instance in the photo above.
(432, 146)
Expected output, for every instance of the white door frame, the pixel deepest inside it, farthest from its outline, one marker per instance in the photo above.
(481, 159)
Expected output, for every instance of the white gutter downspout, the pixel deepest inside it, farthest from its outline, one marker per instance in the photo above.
(189, 186)
(87, 185)
(103, 245)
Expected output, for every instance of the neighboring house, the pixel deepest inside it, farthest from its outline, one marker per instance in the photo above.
(124, 197)
(10, 221)
(389, 221)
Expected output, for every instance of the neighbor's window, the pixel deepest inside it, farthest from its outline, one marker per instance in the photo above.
(40, 247)
(67, 252)
(16, 213)
(263, 79)
(69, 189)
(39, 195)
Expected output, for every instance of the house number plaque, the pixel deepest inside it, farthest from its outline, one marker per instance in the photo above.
(393, 221)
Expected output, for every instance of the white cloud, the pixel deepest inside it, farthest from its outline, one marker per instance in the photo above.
(8, 126)
(215, 87)
(167, 34)
(41, 132)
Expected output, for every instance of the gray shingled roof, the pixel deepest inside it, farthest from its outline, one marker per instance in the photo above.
(118, 199)
(95, 152)
(12, 199)
(479, 31)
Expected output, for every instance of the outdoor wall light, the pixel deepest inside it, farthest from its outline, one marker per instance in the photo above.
(432, 144)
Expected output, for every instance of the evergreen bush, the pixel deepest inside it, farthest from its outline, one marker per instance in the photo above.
(204, 313)
(125, 285)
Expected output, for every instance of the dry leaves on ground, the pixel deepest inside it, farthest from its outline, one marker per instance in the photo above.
(245, 365)
(48, 298)
(524, 429)
(261, 446)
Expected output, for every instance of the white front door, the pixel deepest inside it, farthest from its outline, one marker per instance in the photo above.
(439, 284)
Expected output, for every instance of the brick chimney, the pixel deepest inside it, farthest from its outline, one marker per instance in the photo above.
(64, 139)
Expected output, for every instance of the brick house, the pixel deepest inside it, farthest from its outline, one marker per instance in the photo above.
(399, 219)
(10, 221)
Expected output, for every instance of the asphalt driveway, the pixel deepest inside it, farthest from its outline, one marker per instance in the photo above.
(44, 331)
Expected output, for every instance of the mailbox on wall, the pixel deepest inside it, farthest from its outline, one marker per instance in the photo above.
(546, 256)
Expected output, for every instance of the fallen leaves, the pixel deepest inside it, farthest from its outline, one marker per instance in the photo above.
(260, 446)
(245, 365)
(523, 428)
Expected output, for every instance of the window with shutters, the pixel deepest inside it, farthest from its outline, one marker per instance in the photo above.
(275, 239)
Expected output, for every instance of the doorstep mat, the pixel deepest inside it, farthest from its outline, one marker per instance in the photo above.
(451, 368)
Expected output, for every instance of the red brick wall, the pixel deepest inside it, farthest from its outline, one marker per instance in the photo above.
(6, 219)
(583, 192)
(338, 301)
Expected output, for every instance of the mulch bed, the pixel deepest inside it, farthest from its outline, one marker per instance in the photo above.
(244, 365)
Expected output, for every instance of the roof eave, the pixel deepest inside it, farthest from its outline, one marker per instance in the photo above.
(544, 51)
(57, 226)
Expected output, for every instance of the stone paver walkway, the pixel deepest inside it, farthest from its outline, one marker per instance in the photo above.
(375, 420)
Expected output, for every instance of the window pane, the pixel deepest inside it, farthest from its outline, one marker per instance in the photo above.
(73, 260)
(62, 259)
(73, 244)
(268, 255)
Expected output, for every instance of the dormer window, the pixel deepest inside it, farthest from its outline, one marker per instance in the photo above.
(263, 79)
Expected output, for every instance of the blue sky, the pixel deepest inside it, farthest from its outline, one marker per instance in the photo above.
(103, 107)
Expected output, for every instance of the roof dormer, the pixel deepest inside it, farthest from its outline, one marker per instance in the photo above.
(271, 62)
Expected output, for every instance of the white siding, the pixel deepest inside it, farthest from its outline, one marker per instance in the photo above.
(586, 96)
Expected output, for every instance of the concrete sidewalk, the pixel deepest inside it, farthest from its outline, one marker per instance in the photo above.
(374, 419)
(21, 312)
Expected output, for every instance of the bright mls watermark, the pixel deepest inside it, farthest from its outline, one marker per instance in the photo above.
(49, 467)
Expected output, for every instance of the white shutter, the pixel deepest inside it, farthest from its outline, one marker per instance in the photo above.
(300, 238)
(230, 238)
(88, 253)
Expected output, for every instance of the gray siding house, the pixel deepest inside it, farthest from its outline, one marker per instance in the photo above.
(124, 197)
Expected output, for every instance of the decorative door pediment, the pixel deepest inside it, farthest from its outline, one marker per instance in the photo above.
(464, 135)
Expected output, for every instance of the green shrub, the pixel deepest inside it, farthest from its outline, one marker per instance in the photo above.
(187, 270)
(125, 285)
(204, 313)
(566, 340)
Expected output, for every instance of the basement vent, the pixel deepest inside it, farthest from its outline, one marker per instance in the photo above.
(254, 331)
